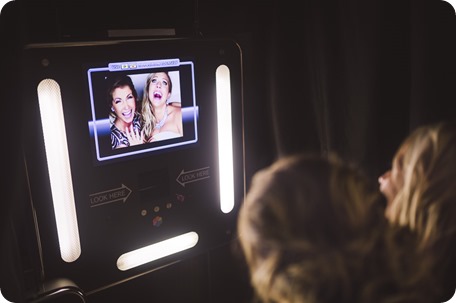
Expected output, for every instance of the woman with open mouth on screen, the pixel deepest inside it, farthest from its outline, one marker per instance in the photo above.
(161, 120)
(125, 120)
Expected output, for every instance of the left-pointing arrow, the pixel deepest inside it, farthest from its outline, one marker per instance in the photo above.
(109, 196)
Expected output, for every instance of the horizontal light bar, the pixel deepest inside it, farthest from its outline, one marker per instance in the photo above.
(55, 141)
(156, 251)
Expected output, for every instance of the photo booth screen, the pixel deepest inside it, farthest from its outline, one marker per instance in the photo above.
(138, 191)
(181, 74)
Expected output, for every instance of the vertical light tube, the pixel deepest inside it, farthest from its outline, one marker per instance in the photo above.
(225, 138)
(55, 141)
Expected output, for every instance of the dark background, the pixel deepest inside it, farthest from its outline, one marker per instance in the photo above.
(346, 76)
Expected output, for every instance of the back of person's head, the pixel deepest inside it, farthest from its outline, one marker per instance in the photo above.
(426, 201)
(312, 230)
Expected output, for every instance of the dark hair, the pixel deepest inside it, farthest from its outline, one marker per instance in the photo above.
(120, 81)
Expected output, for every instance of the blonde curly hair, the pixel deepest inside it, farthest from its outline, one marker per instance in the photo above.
(426, 198)
(426, 201)
(312, 230)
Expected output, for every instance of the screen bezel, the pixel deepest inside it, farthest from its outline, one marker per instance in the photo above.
(99, 125)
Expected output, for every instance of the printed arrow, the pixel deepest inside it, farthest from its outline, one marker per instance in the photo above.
(109, 196)
(192, 176)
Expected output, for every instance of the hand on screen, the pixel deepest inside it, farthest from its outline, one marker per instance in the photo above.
(133, 135)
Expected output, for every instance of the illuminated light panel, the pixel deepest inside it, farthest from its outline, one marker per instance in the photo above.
(55, 141)
(156, 251)
(225, 138)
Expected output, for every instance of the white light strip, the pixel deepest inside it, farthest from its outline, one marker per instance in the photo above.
(156, 251)
(225, 138)
(55, 142)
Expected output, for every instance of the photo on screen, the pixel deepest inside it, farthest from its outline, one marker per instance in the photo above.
(141, 107)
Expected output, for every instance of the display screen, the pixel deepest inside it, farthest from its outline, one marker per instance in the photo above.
(141, 107)
(132, 144)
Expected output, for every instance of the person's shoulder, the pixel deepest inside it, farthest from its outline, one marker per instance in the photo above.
(173, 109)
(175, 104)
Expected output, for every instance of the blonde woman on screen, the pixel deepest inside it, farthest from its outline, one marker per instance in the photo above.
(160, 120)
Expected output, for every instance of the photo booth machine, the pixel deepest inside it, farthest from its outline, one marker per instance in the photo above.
(101, 215)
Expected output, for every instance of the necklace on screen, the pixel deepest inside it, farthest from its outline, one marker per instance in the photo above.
(160, 123)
